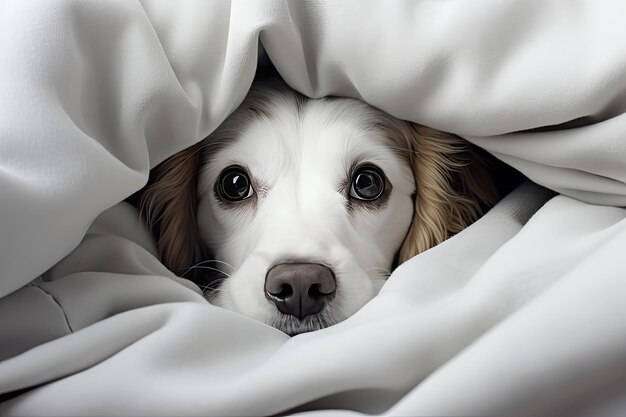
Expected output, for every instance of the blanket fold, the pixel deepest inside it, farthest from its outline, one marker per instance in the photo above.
(529, 298)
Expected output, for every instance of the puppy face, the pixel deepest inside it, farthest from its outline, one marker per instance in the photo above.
(316, 190)
(305, 205)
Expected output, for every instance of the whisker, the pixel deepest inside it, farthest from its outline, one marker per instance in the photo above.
(212, 287)
(221, 262)
(210, 268)
(203, 262)
(212, 290)
(215, 283)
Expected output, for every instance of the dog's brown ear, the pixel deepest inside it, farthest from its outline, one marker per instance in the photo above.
(453, 187)
(168, 205)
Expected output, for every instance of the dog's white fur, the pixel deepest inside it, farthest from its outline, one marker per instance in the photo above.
(300, 155)
(300, 161)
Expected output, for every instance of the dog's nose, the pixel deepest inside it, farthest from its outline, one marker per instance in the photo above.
(300, 289)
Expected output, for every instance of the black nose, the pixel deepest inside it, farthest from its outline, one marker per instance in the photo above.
(300, 289)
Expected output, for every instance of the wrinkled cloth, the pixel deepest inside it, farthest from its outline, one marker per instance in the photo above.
(522, 311)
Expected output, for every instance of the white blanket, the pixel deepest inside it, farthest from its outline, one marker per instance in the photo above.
(523, 312)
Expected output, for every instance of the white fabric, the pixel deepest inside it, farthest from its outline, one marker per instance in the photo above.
(511, 314)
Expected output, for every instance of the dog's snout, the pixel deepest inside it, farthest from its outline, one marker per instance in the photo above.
(300, 289)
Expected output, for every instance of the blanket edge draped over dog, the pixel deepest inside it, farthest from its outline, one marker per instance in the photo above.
(95, 94)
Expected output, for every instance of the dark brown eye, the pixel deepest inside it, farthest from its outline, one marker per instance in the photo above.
(234, 184)
(368, 183)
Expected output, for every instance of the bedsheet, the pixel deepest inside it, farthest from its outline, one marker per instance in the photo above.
(521, 313)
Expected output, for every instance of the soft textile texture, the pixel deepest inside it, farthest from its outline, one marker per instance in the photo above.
(515, 313)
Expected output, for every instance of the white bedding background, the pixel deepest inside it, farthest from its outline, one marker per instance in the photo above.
(522, 313)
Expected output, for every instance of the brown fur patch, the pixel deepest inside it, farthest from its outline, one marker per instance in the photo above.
(169, 207)
(453, 186)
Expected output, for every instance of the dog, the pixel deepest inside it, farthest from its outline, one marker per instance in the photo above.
(305, 206)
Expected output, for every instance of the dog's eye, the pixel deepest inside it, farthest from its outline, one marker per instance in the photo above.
(367, 183)
(234, 184)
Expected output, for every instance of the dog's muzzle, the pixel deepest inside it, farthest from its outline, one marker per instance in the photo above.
(300, 289)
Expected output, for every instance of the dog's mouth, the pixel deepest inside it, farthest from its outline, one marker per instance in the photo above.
(286, 323)
(292, 325)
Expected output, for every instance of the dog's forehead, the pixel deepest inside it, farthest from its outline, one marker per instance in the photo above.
(319, 138)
